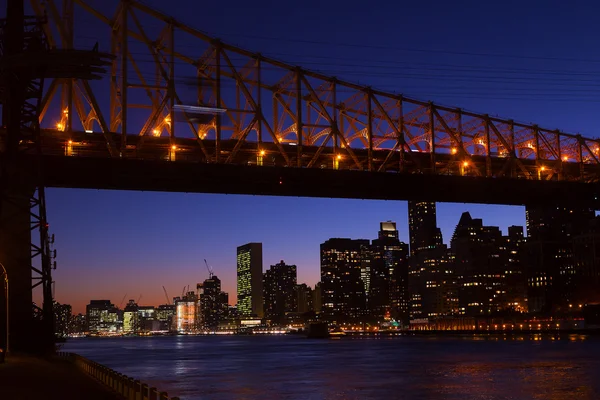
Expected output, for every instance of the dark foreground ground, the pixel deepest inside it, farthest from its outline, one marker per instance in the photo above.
(28, 378)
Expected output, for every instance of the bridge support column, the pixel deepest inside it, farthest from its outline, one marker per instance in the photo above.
(15, 256)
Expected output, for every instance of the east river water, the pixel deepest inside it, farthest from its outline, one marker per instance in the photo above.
(405, 367)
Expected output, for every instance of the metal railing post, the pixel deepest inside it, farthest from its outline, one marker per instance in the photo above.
(144, 393)
(131, 389)
(137, 389)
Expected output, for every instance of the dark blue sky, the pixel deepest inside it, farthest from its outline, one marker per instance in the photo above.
(532, 61)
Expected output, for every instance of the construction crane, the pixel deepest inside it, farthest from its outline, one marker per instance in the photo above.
(122, 300)
(183, 291)
(166, 295)
(210, 271)
(138, 300)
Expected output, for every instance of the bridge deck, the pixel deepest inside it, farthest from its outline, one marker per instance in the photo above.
(131, 174)
(23, 377)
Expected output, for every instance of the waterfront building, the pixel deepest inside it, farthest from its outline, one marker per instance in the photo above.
(342, 289)
(516, 278)
(422, 226)
(185, 320)
(431, 282)
(249, 280)
(62, 319)
(146, 319)
(317, 298)
(78, 324)
(304, 298)
(103, 317)
(130, 317)
(548, 254)
(279, 288)
(387, 296)
(488, 268)
(164, 316)
(213, 303)
(582, 284)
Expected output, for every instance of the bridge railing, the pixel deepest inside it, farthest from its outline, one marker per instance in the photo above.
(125, 386)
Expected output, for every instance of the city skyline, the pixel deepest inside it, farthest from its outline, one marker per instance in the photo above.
(110, 277)
(495, 71)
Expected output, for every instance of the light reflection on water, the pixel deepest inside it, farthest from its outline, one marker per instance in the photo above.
(291, 367)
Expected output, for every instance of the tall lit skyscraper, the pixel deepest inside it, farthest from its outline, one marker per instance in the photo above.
(211, 303)
(280, 296)
(388, 288)
(548, 254)
(250, 280)
(428, 264)
(342, 288)
(481, 263)
(422, 226)
(130, 317)
(62, 319)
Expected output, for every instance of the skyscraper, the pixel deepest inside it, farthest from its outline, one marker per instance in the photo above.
(584, 283)
(304, 296)
(211, 303)
(130, 317)
(430, 267)
(481, 263)
(186, 313)
(422, 226)
(342, 289)
(62, 319)
(249, 280)
(280, 296)
(317, 298)
(388, 283)
(548, 254)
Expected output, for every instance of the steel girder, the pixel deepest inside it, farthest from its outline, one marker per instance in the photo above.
(282, 114)
(21, 190)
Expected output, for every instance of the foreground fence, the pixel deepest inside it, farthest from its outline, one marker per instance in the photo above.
(127, 387)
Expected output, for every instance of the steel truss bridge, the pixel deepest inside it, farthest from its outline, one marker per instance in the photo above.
(268, 127)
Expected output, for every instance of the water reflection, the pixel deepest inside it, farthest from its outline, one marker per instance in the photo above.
(283, 367)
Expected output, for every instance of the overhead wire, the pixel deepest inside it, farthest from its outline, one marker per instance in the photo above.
(440, 74)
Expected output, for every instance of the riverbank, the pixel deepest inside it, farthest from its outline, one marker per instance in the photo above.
(30, 378)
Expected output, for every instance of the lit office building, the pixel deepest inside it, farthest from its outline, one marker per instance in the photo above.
(304, 298)
(280, 296)
(213, 303)
(422, 226)
(516, 278)
(582, 284)
(103, 317)
(130, 317)
(62, 319)
(548, 254)
(431, 283)
(317, 298)
(164, 315)
(488, 268)
(186, 313)
(249, 280)
(147, 319)
(387, 296)
(78, 324)
(342, 289)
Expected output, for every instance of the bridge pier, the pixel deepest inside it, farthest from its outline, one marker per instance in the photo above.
(15, 256)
